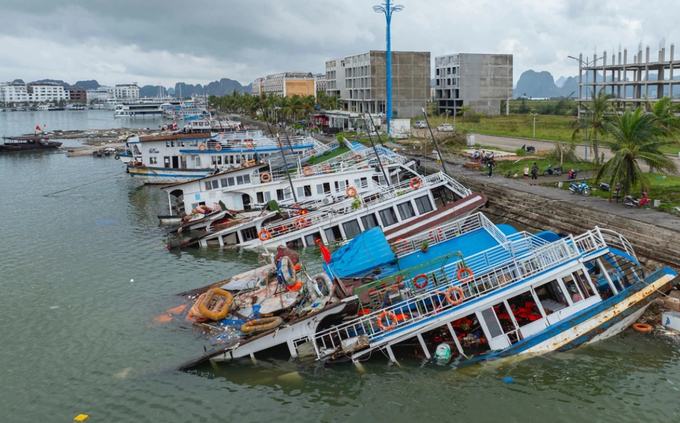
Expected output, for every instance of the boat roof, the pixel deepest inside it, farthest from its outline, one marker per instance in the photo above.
(173, 136)
(38, 137)
(220, 173)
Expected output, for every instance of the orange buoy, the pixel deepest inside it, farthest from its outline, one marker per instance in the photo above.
(327, 169)
(392, 320)
(265, 177)
(249, 144)
(642, 327)
(264, 235)
(357, 158)
(449, 296)
(218, 147)
(415, 183)
(300, 222)
(351, 191)
(307, 170)
(403, 247)
(422, 285)
(202, 147)
(465, 269)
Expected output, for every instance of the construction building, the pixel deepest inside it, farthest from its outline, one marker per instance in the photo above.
(286, 84)
(360, 81)
(630, 83)
(479, 81)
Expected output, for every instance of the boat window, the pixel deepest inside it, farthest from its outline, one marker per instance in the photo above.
(307, 190)
(574, 292)
(231, 159)
(507, 323)
(333, 233)
(287, 193)
(239, 180)
(167, 143)
(166, 161)
(267, 196)
(311, 239)
(208, 185)
(369, 221)
(246, 179)
(238, 158)
(594, 268)
(300, 192)
(224, 182)
(351, 229)
(524, 309)
(260, 197)
(423, 204)
(279, 194)
(319, 189)
(327, 188)
(249, 233)
(551, 296)
(388, 217)
(469, 333)
(492, 324)
(442, 196)
(153, 160)
(583, 283)
(406, 210)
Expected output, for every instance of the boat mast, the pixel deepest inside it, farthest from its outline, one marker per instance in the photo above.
(441, 158)
(377, 155)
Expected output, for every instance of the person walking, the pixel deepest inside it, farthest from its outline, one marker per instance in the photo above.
(489, 164)
(526, 174)
(534, 174)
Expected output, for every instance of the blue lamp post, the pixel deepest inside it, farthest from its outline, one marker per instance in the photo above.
(388, 9)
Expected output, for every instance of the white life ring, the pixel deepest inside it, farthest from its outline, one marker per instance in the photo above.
(287, 271)
(326, 287)
(218, 147)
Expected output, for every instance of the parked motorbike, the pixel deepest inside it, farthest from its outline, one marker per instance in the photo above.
(550, 171)
(573, 173)
(631, 202)
(581, 188)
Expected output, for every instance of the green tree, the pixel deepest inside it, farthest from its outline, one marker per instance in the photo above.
(599, 110)
(635, 137)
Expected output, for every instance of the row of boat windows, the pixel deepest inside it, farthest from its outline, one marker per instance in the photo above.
(183, 143)
(235, 158)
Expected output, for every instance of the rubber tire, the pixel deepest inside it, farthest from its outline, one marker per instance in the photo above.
(546, 173)
(572, 191)
(117, 156)
(628, 204)
(585, 192)
(557, 173)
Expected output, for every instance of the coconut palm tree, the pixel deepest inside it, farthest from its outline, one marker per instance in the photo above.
(598, 112)
(635, 137)
(665, 112)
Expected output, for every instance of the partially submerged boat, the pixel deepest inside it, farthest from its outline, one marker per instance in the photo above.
(480, 292)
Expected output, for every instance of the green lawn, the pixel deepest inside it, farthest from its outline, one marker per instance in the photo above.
(338, 151)
(517, 166)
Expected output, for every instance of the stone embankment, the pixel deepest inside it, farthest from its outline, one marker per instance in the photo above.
(654, 235)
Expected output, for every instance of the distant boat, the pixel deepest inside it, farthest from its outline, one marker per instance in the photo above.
(27, 142)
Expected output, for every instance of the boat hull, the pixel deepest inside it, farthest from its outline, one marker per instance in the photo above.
(157, 175)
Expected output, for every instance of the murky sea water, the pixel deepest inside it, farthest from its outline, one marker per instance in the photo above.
(84, 271)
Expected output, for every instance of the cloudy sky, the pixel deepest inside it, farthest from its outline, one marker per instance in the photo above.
(151, 42)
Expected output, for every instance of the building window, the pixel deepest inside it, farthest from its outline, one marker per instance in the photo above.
(423, 204)
(351, 229)
(388, 217)
(406, 210)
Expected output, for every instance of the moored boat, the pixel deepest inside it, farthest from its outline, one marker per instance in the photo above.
(27, 142)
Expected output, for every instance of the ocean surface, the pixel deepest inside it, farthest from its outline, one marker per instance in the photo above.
(84, 271)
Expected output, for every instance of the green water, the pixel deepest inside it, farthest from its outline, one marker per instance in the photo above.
(85, 271)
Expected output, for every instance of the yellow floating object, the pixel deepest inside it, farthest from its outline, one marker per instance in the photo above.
(81, 418)
(215, 304)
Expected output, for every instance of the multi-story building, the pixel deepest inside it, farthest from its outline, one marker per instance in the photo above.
(46, 92)
(125, 92)
(480, 81)
(361, 80)
(12, 92)
(77, 94)
(319, 83)
(288, 84)
(99, 95)
(257, 86)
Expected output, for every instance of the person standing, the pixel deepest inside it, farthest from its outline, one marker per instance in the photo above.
(489, 164)
(534, 174)
(526, 174)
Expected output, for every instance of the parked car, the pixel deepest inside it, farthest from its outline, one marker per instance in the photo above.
(421, 124)
(445, 127)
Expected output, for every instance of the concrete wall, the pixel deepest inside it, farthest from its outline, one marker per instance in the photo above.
(410, 81)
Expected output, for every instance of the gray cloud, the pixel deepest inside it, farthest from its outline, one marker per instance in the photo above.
(151, 41)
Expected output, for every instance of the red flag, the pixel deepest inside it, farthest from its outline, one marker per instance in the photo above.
(326, 253)
(37, 127)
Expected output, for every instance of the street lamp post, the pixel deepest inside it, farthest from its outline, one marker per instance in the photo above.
(587, 64)
(388, 9)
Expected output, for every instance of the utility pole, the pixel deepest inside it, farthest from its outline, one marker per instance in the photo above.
(388, 9)
(435, 142)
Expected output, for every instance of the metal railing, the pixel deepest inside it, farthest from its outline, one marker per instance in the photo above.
(617, 241)
(428, 301)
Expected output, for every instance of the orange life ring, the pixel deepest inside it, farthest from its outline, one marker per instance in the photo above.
(202, 147)
(249, 144)
(391, 316)
(218, 147)
(264, 235)
(415, 183)
(421, 286)
(296, 209)
(404, 247)
(307, 170)
(327, 169)
(357, 158)
(449, 297)
(300, 222)
(642, 327)
(351, 191)
(436, 233)
(465, 269)
(265, 177)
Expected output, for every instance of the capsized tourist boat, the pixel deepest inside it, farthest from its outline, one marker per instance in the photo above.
(28, 142)
(490, 292)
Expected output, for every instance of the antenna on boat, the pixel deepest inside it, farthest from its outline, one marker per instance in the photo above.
(441, 157)
(377, 155)
(285, 164)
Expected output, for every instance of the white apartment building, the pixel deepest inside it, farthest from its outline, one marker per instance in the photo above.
(257, 87)
(100, 95)
(126, 92)
(43, 93)
(319, 83)
(11, 92)
(335, 77)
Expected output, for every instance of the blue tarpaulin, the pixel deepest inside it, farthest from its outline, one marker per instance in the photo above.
(362, 254)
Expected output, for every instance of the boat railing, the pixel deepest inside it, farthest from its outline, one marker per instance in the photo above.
(419, 299)
(300, 221)
(461, 190)
(618, 241)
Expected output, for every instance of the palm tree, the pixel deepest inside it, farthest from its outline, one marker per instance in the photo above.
(665, 112)
(635, 137)
(597, 114)
(295, 106)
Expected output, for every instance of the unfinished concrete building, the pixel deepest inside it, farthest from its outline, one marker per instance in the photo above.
(480, 81)
(630, 83)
